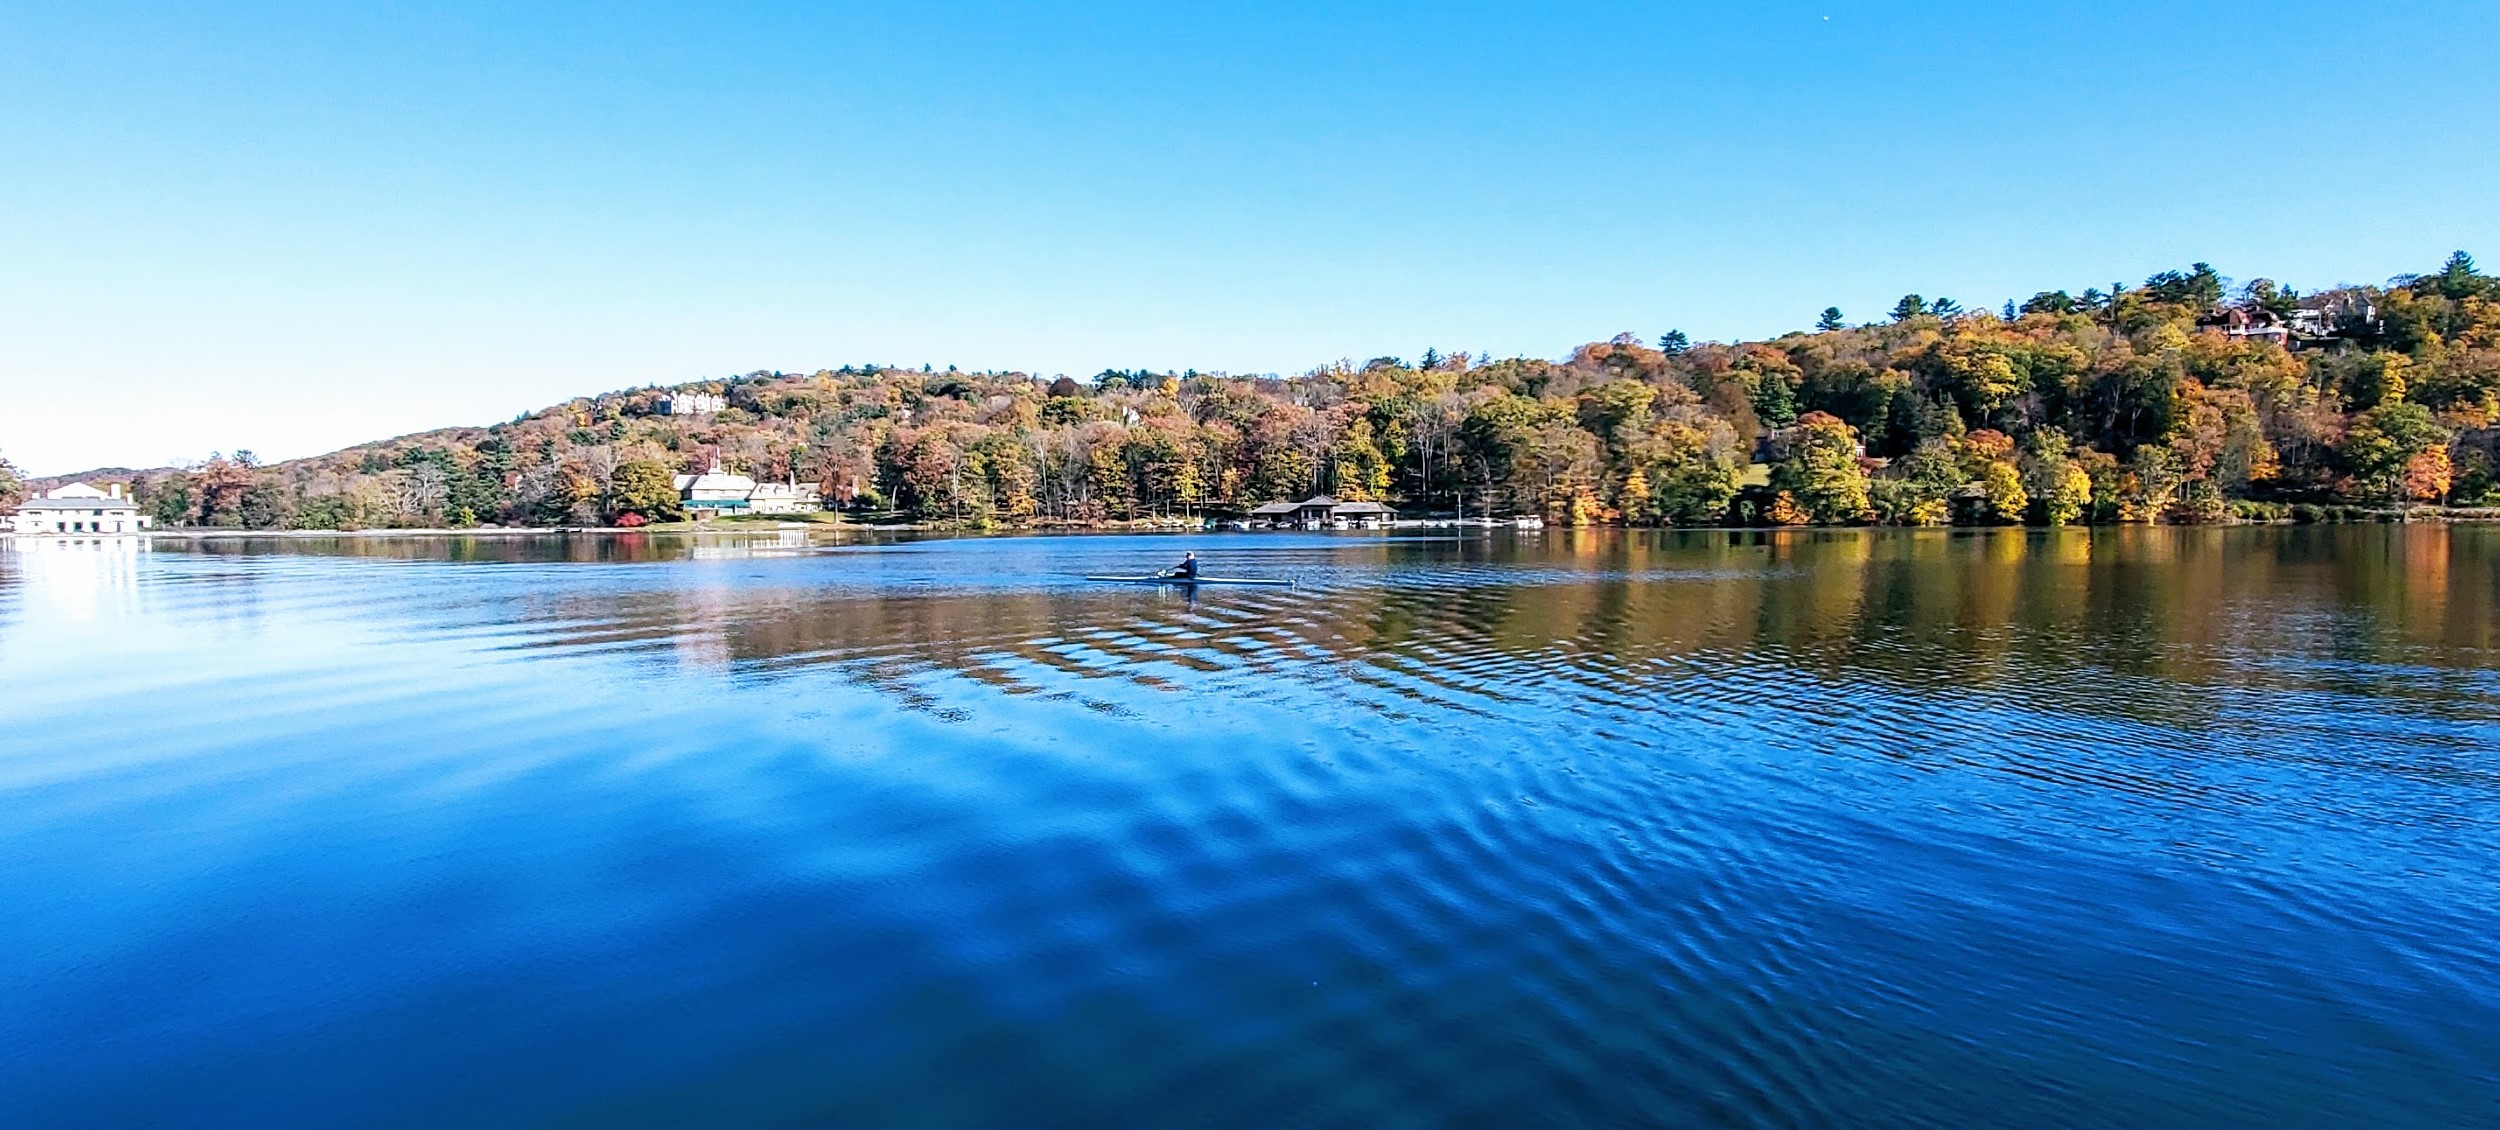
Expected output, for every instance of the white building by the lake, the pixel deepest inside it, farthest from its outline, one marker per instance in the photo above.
(716, 491)
(79, 509)
(785, 498)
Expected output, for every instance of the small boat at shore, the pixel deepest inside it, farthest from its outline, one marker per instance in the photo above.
(1158, 579)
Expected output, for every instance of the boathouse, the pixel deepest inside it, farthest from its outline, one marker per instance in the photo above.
(715, 491)
(1320, 512)
(79, 509)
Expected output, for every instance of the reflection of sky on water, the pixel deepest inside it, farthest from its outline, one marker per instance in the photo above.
(71, 579)
(2073, 828)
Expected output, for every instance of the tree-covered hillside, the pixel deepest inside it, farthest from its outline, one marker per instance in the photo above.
(2169, 401)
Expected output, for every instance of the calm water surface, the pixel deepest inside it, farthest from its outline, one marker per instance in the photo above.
(2130, 828)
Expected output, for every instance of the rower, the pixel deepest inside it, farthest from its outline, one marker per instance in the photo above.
(1187, 570)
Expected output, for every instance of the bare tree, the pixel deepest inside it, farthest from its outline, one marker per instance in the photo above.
(420, 492)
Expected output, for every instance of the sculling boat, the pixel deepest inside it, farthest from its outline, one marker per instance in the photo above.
(1159, 579)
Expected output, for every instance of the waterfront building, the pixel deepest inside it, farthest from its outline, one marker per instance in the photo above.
(1322, 511)
(785, 498)
(715, 491)
(79, 509)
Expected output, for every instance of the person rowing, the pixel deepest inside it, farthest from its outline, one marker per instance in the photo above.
(1186, 574)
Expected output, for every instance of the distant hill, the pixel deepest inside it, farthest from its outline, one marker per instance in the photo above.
(2185, 399)
(98, 475)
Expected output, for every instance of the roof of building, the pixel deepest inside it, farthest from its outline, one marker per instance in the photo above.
(77, 490)
(785, 490)
(97, 502)
(717, 481)
(1321, 502)
(2242, 316)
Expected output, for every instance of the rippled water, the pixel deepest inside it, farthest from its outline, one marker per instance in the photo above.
(2118, 828)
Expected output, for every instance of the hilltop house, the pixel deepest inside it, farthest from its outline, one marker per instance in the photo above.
(2252, 324)
(2316, 319)
(691, 404)
(79, 509)
(2334, 312)
(1320, 511)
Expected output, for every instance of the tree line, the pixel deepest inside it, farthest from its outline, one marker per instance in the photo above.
(2183, 399)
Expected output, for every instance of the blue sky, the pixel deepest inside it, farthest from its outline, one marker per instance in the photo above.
(291, 227)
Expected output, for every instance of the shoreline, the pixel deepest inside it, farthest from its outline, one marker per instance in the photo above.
(2418, 516)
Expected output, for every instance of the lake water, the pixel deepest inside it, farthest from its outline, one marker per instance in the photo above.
(2126, 828)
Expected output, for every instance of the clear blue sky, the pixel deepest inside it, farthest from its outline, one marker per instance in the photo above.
(291, 227)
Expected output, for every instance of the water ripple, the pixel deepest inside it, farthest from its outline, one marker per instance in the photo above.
(2080, 828)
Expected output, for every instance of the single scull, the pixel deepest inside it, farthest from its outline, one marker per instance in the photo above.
(1162, 580)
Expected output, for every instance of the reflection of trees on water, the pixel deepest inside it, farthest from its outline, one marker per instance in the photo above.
(1947, 607)
(536, 547)
(2128, 622)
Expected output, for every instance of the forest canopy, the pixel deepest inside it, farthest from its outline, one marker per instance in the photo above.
(2181, 399)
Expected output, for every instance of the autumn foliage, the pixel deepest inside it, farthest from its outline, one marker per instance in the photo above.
(2166, 402)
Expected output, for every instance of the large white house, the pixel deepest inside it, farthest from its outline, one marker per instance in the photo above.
(79, 509)
(717, 491)
(785, 498)
(714, 490)
(692, 404)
